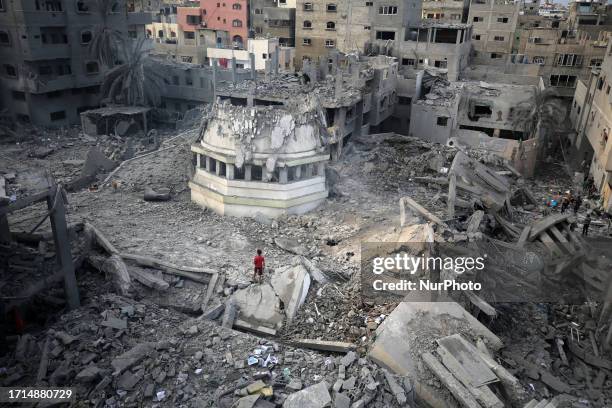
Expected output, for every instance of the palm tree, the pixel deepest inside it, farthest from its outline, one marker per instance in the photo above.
(543, 111)
(136, 81)
(107, 42)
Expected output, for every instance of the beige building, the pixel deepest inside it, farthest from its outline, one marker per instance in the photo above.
(47, 75)
(494, 23)
(448, 11)
(274, 18)
(591, 115)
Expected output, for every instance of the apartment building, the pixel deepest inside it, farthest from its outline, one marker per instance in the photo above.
(347, 25)
(591, 115)
(562, 56)
(494, 23)
(588, 15)
(47, 75)
(274, 19)
(228, 21)
(449, 11)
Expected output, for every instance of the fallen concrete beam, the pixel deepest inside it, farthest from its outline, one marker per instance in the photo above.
(258, 329)
(463, 396)
(408, 204)
(335, 346)
(148, 279)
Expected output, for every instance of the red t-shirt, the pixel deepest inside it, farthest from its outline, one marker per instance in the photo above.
(258, 261)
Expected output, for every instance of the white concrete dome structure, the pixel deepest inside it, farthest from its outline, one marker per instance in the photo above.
(261, 159)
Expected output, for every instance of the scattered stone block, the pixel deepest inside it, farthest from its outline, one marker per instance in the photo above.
(315, 396)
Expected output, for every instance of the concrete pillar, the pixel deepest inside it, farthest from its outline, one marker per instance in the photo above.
(198, 160)
(229, 171)
(458, 41)
(321, 169)
(253, 69)
(308, 171)
(218, 168)
(496, 132)
(419, 84)
(275, 60)
(214, 78)
(247, 172)
(234, 75)
(297, 173)
(208, 163)
(283, 175)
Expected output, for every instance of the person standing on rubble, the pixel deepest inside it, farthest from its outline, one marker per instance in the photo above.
(565, 202)
(577, 204)
(586, 224)
(259, 262)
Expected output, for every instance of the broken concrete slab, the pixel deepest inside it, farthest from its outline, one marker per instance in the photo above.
(259, 306)
(114, 323)
(315, 396)
(89, 374)
(400, 336)
(128, 380)
(291, 245)
(412, 212)
(246, 402)
(96, 162)
(291, 284)
(132, 357)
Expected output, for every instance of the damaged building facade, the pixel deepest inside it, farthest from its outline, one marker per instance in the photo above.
(261, 159)
(48, 74)
(591, 116)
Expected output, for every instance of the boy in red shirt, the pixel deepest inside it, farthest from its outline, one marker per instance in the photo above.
(259, 263)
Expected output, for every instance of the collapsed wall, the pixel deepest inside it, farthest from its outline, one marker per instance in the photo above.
(261, 159)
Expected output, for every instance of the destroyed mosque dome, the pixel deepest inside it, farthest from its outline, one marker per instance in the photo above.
(263, 131)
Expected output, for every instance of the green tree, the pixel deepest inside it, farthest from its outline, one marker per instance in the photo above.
(136, 81)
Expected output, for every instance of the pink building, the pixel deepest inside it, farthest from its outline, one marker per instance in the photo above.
(230, 16)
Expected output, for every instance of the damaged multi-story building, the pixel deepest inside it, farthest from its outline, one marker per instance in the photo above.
(477, 113)
(48, 74)
(448, 11)
(494, 23)
(274, 18)
(591, 116)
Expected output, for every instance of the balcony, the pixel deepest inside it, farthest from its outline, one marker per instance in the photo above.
(46, 51)
(44, 18)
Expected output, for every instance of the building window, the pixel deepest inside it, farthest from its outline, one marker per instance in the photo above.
(308, 7)
(498, 38)
(306, 41)
(258, 30)
(369, 3)
(567, 81)
(331, 26)
(45, 70)
(502, 19)
(538, 60)
(495, 55)
(194, 20)
(282, 2)
(236, 23)
(2, 5)
(476, 37)
(331, 8)
(387, 10)
(442, 121)
(440, 64)
(81, 6)
(18, 96)
(5, 39)
(10, 70)
(92, 67)
(408, 62)
(404, 100)
(307, 25)
(367, 27)
(596, 62)
(189, 35)
(264, 56)
(330, 43)
(236, 6)
(478, 19)
(59, 115)
(258, 11)
(86, 37)
(385, 35)
(132, 34)
(569, 60)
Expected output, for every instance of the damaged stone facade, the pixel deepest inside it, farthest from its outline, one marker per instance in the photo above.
(261, 159)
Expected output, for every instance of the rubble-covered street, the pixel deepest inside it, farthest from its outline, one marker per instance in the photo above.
(188, 327)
